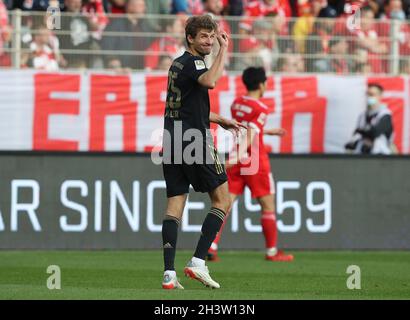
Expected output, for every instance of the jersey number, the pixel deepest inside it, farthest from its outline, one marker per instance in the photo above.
(174, 99)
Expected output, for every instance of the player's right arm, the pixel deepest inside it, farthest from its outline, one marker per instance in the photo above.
(241, 152)
(210, 77)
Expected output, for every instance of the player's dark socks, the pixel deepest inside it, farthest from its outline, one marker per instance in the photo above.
(210, 228)
(169, 240)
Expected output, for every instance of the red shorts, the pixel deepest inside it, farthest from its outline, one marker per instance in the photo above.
(260, 184)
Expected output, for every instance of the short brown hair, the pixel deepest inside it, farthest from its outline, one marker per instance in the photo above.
(196, 23)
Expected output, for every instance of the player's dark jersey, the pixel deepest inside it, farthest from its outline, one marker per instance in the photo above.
(187, 100)
(187, 107)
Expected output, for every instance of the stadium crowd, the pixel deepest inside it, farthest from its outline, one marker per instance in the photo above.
(280, 35)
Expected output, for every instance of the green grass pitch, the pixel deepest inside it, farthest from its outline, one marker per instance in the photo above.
(242, 275)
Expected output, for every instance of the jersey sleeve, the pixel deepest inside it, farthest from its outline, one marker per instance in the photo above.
(194, 68)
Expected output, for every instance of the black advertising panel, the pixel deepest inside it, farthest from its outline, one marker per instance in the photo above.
(87, 201)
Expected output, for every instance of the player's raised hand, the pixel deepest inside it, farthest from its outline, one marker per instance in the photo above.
(275, 132)
(223, 38)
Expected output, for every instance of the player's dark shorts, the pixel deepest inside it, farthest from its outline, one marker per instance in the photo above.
(202, 177)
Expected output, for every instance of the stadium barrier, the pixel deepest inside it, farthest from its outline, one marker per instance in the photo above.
(117, 201)
(88, 111)
(279, 44)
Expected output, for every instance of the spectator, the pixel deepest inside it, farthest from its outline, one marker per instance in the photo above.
(37, 5)
(214, 7)
(117, 6)
(44, 51)
(132, 23)
(348, 8)
(404, 40)
(375, 5)
(364, 69)
(79, 35)
(114, 64)
(308, 11)
(405, 66)
(393, 9)
(170, 45)
(94, 10)
(29, 24)
(193, 7)
(262, 8)
(233, 7)
(5, 35)
(335, 61)
(406, 7)
(280, 31)
(155, 8)
(374, 131)
(260, 49)
(291, 63)
(8, 4)
(317, 46)
(164, 63)
(361, 61)
(368, 39)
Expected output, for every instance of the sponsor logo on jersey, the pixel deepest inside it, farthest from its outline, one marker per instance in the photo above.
(199, 65)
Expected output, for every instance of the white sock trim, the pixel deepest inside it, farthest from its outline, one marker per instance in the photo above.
(271, 251)
(214, 246)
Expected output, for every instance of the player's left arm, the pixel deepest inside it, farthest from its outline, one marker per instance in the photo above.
(227, 124)
(275, 132)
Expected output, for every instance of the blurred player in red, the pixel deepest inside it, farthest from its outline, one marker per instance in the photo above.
(248, 164)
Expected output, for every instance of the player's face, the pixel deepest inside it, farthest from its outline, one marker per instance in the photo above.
(203, 42)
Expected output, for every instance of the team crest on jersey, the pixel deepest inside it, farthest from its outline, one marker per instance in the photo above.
(199, 65)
